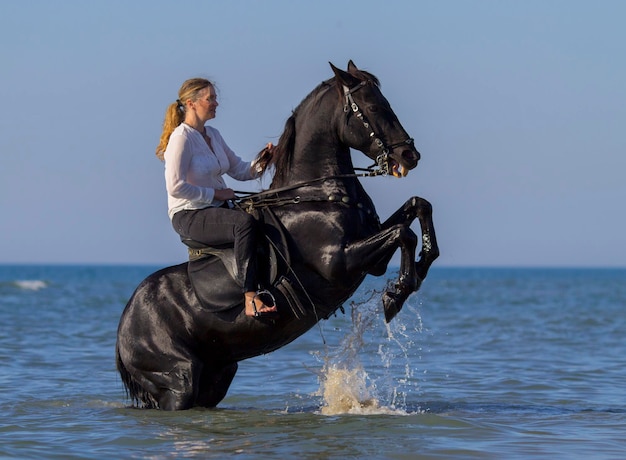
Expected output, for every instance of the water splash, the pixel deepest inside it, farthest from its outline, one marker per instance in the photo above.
(346, 391)
(345, 385)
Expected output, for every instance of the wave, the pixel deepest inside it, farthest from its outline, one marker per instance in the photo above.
(30, 285)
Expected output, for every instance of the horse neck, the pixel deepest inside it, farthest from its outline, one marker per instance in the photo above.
(321, 158)
(318, 151)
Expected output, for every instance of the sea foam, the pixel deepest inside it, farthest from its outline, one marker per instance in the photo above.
(31, 285)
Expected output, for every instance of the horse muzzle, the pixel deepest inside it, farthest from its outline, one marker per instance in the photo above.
(406, 161)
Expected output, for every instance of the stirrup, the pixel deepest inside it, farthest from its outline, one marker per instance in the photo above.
(265, 292)
(267, 314)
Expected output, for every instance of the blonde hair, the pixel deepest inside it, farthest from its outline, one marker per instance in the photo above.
(175, 112)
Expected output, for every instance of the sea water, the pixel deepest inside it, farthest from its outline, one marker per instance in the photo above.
(481, 363)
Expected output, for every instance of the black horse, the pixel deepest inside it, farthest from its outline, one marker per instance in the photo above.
(184, 329)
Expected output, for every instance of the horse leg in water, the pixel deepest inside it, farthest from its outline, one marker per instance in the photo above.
(379, 248)
(190, 385)
(186, 382)
(214, 383)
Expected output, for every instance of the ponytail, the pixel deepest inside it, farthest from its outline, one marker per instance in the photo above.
(174, 116)
(175, 112)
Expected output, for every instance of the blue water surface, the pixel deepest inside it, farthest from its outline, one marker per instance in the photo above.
(481, 363)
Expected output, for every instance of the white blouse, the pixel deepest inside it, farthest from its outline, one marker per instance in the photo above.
(193, 171)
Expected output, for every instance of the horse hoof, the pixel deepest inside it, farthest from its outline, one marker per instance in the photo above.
(391, 306)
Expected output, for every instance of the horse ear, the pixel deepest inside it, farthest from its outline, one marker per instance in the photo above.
(344, 77)
(352, 68)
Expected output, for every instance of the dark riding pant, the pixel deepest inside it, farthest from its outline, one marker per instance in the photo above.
(223, 226)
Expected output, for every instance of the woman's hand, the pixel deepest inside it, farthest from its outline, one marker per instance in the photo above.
(264, 157)
(224, 194)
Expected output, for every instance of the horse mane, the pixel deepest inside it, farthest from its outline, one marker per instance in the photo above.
(283, 155)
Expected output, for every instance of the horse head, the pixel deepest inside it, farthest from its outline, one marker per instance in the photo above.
(358, 116)
(371, 126)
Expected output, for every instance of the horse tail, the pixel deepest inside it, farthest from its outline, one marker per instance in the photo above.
(134, 391)
(127, 379)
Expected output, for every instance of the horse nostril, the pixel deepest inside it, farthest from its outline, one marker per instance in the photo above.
(411, 156)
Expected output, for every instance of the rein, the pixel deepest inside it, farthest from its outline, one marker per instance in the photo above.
(270, 197)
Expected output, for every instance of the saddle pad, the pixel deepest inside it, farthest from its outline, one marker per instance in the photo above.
(214, 286)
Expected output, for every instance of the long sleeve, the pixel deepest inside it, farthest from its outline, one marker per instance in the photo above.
(238, 169)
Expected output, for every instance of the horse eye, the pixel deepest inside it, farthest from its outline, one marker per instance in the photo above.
(373, 108)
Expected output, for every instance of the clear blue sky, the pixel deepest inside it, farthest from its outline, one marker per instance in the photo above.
(518, 109)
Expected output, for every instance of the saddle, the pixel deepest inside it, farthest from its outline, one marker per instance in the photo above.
(217, 284)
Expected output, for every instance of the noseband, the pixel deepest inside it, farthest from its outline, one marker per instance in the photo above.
(382, 160)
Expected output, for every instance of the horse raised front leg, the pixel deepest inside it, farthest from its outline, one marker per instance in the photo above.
(430, 249)
(410, 279)
(379, 248)
(421, 209)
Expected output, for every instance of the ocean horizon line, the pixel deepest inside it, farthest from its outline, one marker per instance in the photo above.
(390, 267)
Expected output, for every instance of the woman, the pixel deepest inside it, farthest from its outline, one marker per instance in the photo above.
(196, 156)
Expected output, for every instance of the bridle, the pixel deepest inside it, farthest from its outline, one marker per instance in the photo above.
(382, 160)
